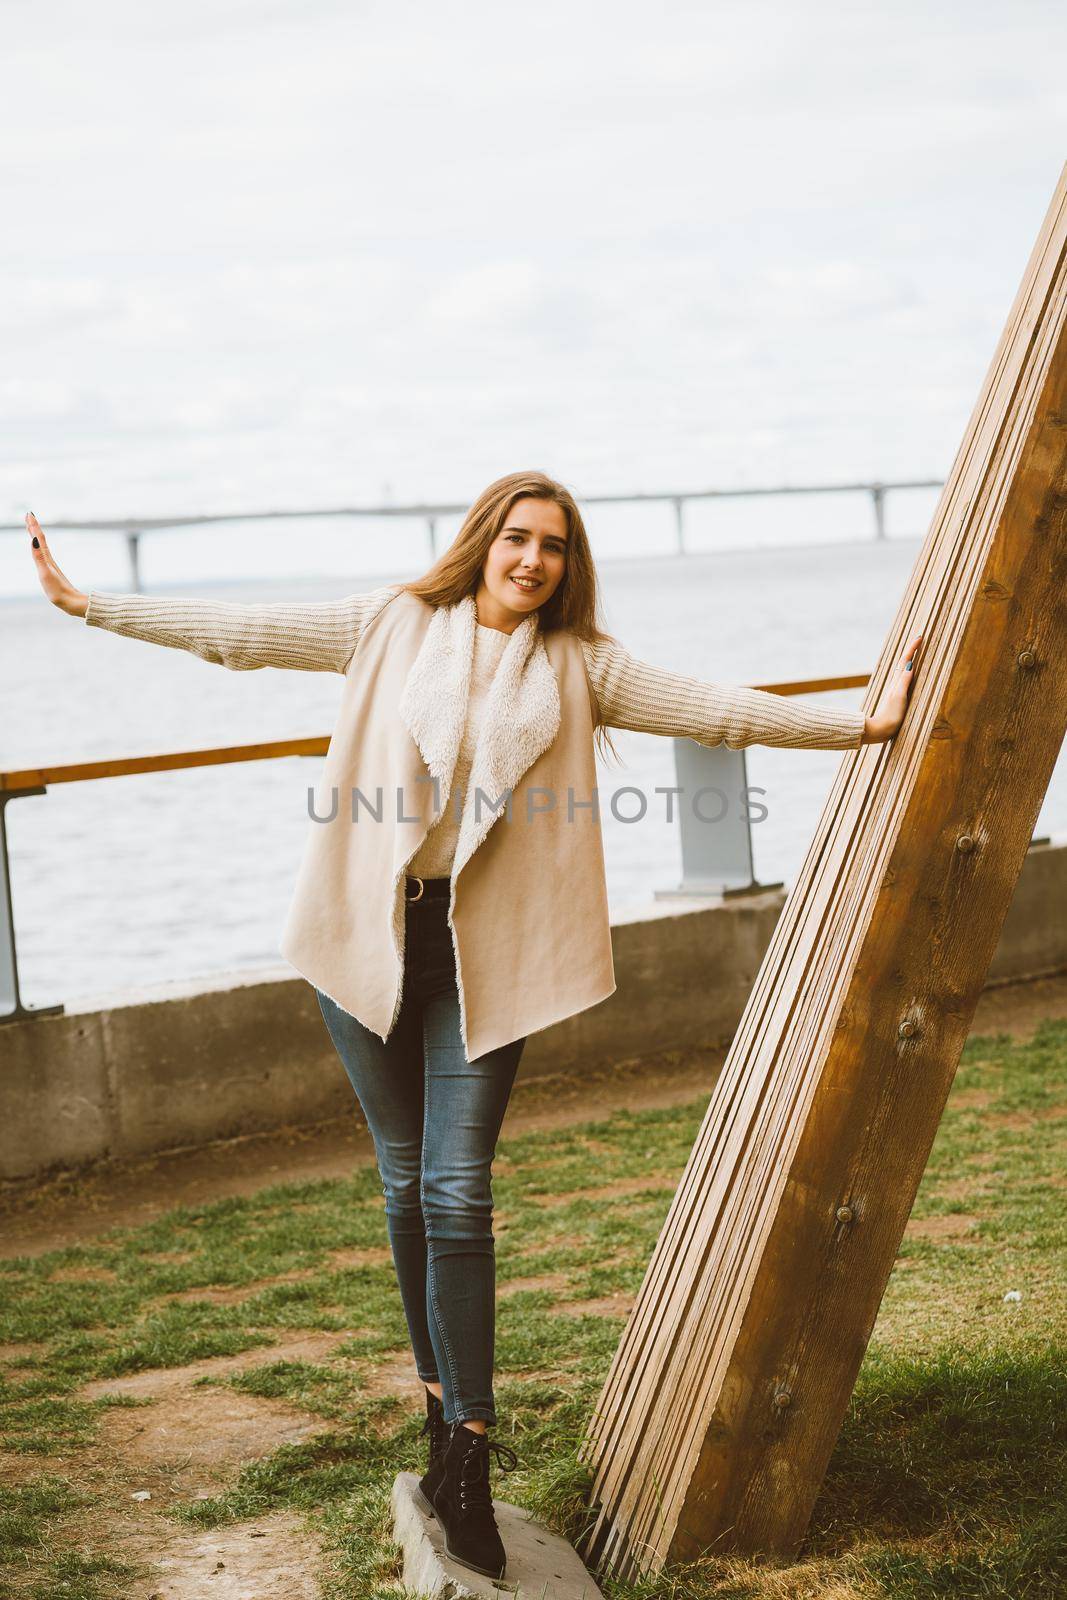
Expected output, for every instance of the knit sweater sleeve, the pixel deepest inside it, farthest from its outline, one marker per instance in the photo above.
(633, 694)
(320, 637)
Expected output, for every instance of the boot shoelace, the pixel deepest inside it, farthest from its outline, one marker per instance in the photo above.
(474, 1492)
(437, 1428)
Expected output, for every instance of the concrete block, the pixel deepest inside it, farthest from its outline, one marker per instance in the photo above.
(56, 1101)
(540, 1566)
(192, 1063)
(1033, 940)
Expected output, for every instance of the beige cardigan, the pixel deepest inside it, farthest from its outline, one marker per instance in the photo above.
(528, 906)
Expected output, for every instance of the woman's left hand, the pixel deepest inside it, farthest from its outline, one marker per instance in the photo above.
(887, 716)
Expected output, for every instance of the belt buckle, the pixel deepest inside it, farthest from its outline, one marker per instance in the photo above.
(411, 898)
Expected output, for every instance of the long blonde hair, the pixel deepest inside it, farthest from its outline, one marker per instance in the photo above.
(575, 604)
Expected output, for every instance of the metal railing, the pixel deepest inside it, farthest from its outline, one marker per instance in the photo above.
(134, 529)
(716, 861)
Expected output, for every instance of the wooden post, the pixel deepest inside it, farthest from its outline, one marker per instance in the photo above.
(726, 1395)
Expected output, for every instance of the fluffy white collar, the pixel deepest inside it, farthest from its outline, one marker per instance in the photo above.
(520, 716)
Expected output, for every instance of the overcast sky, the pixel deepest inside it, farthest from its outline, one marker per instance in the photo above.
(307, 252)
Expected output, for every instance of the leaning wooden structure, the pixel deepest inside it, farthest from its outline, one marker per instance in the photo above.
(725, 1397)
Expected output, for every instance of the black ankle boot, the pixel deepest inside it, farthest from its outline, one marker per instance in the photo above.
(464, 1504)
(438, 1430)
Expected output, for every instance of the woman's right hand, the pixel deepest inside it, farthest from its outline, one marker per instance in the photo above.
(56, 586)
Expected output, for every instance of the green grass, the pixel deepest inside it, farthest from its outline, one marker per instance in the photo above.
(944, 1481)
(27, 1513)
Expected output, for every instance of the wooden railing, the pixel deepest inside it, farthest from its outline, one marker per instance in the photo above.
(33, 780)
(729, 870)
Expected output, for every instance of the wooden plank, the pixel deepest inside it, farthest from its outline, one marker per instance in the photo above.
(725, 1397)
(165, 761)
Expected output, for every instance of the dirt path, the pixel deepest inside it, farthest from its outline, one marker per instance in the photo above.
(71, 1207)
(188, 1445)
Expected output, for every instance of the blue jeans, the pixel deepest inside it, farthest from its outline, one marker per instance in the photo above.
(435, 1118)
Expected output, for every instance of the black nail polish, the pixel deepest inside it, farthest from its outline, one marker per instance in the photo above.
(36, 542)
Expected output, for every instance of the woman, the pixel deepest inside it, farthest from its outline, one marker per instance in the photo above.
(442, 925)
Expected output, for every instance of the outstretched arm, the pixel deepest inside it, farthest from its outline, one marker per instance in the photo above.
(314, 638)
(633, 694)
(310, 638)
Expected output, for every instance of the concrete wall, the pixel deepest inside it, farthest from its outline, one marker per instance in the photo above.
(179, 1065)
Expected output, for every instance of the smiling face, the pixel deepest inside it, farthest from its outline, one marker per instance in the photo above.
(525, 564)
